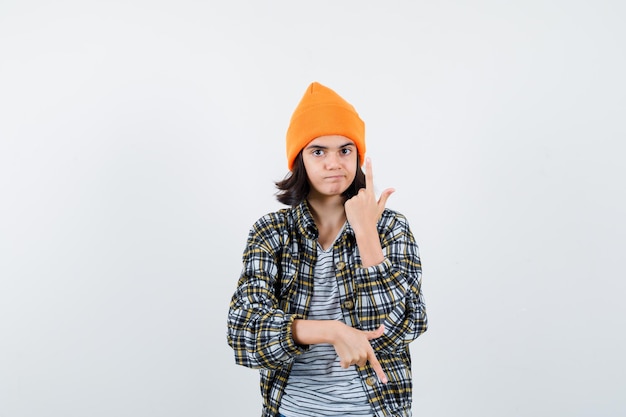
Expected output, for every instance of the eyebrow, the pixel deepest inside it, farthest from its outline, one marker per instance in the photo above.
(326, 147)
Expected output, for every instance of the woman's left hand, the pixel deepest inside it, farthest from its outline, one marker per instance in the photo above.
(363, 210)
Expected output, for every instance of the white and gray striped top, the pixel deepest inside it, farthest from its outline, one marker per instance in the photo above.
(318, 385)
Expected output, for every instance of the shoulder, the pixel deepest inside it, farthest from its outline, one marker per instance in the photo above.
(274, 220)
(393, 220)
(392, 216)
(272, 228)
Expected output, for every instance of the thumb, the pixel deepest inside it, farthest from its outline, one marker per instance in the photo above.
(374, 334)
(382, 201)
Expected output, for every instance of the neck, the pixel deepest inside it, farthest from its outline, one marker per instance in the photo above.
(328, 212)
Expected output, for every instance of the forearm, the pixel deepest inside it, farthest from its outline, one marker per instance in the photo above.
(395, 296)
(392, 288)
(369, 246)
(405, 323)
(311, 332)
(258, 330)
(352, 346)
(262, 338)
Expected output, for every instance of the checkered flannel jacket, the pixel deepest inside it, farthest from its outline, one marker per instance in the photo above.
(276, 286)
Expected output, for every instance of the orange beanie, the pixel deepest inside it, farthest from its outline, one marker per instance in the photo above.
(323, 112)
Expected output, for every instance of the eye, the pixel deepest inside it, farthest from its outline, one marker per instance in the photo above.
(346, 151)
(317, 152)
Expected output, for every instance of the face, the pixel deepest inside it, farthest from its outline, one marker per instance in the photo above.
(331, 163)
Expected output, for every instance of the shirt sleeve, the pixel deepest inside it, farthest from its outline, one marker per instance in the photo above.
(258, 331)
(390, 292)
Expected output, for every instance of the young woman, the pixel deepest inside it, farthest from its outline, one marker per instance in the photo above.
(329, 295)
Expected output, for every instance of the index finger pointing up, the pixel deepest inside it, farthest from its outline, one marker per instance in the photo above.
(369, 176)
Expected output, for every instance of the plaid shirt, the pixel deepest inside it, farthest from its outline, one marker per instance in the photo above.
(276, 286)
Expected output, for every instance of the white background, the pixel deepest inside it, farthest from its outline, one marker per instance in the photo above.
(140, 140)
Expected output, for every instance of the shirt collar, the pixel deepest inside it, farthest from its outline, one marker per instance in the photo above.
(306, 224)
(304, 220)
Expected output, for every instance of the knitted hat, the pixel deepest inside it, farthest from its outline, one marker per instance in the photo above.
(323, 112)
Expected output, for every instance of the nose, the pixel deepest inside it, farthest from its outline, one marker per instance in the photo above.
(332, 161)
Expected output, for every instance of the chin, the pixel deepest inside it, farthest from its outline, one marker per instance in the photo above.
(338, 192)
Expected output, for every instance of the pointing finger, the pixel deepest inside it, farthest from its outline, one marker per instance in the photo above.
(377, 366)
(369, 176)
(371, 356)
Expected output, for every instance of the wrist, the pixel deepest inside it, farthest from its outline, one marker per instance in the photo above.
(334, 329)
(370, 250)
(366, 231)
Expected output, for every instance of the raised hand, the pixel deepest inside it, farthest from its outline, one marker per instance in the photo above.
(363, 212)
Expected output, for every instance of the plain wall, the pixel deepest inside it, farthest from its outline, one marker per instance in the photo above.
(139, 141)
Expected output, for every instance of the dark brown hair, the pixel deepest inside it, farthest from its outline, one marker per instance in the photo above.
(294, 188)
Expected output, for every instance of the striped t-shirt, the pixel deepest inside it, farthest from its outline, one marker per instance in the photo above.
(318, 385)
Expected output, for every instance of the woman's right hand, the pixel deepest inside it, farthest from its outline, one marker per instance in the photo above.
(352, 345)
(353, 348)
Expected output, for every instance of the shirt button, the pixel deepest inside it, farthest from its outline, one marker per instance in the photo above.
(340, 265)
(348, 304)
(370, 381)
